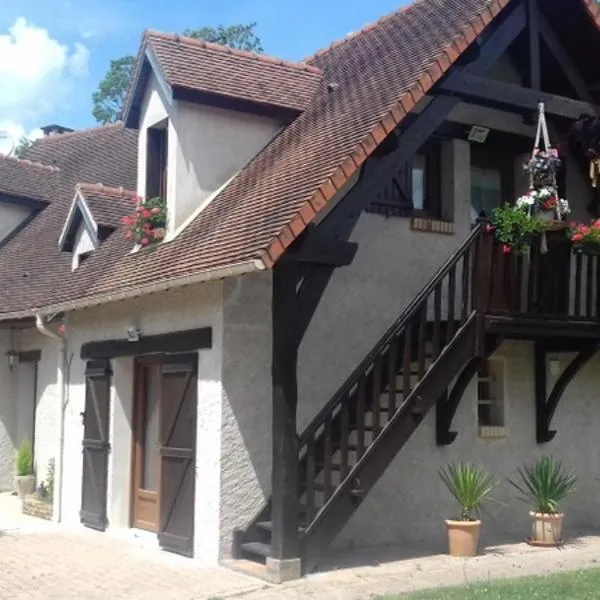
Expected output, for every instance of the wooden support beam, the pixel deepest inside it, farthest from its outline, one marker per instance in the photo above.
(564, 60)
(325, 251)
(511, 97)
(546, 408)
(284, 475)
(533, 22)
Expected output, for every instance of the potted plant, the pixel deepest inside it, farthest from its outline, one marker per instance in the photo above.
(147, 224)
(515, 228)
(24, 479)
(544, 485)
(585, 238)
(470, 486)
(545, 204)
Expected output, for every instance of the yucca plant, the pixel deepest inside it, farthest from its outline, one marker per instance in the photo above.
(470, 485)
(545, 484)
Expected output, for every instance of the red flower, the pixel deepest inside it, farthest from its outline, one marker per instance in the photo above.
(489, 228)
(145, 213)
(506, 249)
(584, 229)
(577, 237)
(145, 241)
(596, 224)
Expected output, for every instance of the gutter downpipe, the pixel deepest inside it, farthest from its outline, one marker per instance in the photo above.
(41, 326)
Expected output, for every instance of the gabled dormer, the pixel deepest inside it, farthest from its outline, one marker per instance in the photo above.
(26, 188)
(204, 111)
(96, 211)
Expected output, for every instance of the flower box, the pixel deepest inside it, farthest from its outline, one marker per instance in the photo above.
(147, 224)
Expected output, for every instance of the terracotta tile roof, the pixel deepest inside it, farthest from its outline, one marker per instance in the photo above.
(381, 73)
(107, 204)
(27, 179)
(33, 270)
(215, 69)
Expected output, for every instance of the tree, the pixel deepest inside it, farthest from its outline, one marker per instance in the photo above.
(23, 144)
(108, 99)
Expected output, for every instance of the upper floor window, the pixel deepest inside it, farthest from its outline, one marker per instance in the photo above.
(156, 160)
(416, 187)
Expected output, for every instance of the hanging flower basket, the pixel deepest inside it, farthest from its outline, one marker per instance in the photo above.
(585, 238)
(147, 224)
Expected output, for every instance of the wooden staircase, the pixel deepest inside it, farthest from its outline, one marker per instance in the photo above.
(354, 438)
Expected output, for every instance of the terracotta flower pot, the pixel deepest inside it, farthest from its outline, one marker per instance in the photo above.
(546, 530)
(463, 537)
(25, 485)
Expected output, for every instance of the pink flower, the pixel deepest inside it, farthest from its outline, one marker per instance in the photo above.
(145, 213)
(128, 235)
(155, 211)
(506, 249)
(145, 241)
(577, 237)
(489, 228)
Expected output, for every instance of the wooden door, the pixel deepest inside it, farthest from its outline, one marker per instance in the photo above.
(95, 444)
(146, 467)
(177, 452)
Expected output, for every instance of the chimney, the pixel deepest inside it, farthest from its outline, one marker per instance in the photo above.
(55, 129)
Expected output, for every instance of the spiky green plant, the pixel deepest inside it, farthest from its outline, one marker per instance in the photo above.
(545, 484)
(470, 485)
(24, 458)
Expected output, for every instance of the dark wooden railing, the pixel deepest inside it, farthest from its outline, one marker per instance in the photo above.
(558, 284)
(381, 385)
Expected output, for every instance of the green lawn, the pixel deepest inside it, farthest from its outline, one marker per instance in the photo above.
(578, 585)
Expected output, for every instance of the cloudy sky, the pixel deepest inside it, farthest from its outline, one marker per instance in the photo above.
(53, 53)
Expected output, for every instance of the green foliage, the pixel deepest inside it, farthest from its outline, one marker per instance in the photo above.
(22, 146)
(24, 458)
(470, 486)
(515, 227)
(545, 484)
(108, 99)
(241, 37)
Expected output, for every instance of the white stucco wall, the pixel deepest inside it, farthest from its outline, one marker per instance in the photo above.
(84, 243)
(185, 308)
(8, 439)
(11, 215)
(409, 503)
(206, 147)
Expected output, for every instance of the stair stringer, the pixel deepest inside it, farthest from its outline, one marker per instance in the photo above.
(368, 470)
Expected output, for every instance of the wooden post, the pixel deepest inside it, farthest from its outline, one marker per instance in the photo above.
(284, 481)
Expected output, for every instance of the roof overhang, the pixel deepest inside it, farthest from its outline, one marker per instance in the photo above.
(79, 214)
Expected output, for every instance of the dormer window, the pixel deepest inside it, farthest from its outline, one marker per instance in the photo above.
(156, 160)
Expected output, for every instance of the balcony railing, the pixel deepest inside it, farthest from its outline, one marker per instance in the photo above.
(556, 284)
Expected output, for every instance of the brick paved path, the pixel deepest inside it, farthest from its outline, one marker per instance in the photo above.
(55, 564)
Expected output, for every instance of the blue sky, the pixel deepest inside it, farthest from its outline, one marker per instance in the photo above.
(53, 53)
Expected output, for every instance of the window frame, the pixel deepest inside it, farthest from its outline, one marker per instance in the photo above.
(502, 160)
(396, 197)
(491, 369)
(157, 159)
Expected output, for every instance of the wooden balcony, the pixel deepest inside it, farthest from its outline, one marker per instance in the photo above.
(538, 294)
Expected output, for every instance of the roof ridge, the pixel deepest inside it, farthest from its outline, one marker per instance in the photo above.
(30, 163)
(69, 134)
(96, 187)
(364, 29)
(299, 65)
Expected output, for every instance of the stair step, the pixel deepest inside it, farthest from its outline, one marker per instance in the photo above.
(257, 548)
(268, 526)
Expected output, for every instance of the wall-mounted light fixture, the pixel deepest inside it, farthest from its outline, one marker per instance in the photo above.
(133, 334)
(478, 134)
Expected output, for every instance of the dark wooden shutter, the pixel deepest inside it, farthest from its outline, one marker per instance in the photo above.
(156, 162)
(177, 453)
(95, 444)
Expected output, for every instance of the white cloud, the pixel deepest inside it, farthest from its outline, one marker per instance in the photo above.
(37, 73)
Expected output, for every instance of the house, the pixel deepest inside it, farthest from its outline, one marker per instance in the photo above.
(325, 323)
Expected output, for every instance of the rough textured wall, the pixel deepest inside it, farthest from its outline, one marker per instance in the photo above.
(409, 503)
(185, 308)
(7, 418)
(246, 433)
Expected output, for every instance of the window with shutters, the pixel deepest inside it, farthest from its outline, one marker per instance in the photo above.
(415, 190)
(156, 160)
